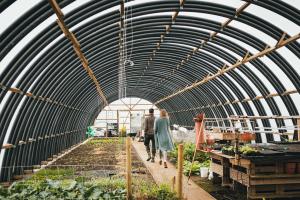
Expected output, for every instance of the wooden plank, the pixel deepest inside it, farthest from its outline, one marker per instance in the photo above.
(226, 172)
(181, 2)
(240, 177)
(281, 39)
(63, 27)
(56, 8)
(175, 14)
(298, 132)
(216, 168)
(15, 90)
(7, 146)
(290, 92)
(242, 8)
(264, 195)
(232, 67)
(128, 168)
(179, 178)
(274, 180)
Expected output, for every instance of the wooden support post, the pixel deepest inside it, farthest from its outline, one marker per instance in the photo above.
(298, 127)
(128, 168)
(179, 178)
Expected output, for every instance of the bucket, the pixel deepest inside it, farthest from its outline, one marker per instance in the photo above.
(204, 172)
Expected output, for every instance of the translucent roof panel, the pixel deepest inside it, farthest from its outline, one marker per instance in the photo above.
(52, 86)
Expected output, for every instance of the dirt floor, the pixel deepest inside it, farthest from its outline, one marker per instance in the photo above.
(103, 157)
(217, 191)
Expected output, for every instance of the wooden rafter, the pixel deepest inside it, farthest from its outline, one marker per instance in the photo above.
(269, 50)
(211, 36)
(76, 45)
(168, 29)
(288, 92)
(39, 98)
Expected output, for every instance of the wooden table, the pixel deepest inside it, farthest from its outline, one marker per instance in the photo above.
(263, 177)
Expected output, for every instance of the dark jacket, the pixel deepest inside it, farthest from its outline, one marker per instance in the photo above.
(149, 125)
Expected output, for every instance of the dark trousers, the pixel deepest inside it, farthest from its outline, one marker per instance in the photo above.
(147, 140)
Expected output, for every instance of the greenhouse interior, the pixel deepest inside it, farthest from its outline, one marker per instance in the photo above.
(150, 99)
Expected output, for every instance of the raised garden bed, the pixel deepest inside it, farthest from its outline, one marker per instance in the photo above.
(95, 170)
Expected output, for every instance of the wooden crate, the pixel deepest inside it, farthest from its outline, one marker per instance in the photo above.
(274, 191)
(226, 136)
(217, 168)
(240, 177)
(263, 179)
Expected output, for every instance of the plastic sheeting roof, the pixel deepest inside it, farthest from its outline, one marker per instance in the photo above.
(55, 100)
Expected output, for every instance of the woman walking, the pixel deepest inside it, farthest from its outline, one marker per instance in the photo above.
(162, 134)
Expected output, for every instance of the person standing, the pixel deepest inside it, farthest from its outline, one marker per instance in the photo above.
(149, 135)
(162, 134)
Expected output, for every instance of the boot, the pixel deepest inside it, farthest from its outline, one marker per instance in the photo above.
(149, 155)
(160, 157)
(165, 165)
(153, 156)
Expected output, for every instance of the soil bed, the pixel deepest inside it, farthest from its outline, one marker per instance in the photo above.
(217, 191)
(102, 157)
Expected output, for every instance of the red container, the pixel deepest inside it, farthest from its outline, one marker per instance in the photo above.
(290, 168)
(246, 136)
(210, 140)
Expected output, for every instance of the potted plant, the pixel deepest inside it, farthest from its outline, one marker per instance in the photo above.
(204, 168)
(248, 151)
(229, 150)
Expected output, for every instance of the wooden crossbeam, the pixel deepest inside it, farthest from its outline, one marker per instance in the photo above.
(7, 146)
(232, 67)
(63, 27)
(212, 34)
(181, 2)
(14, 90)
(175, 14)
(39, 98)
(281, 39)
(242, 8)
(290, 92)
(76, 45)
(56, 9)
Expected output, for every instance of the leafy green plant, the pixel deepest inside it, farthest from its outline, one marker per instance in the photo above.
(187, 165)
(188, 151)
(228, 150)
(54, 189)
(54, 174)
(247, 150)
(205, 163)
(106, 141)
(113, 189)
(144, 190)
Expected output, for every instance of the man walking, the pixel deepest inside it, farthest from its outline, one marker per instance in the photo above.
(149, 135)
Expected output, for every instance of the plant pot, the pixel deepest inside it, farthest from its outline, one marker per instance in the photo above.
(209, 149)
(290, 168)
(210, 141)
(246, 136)
(204, 172)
